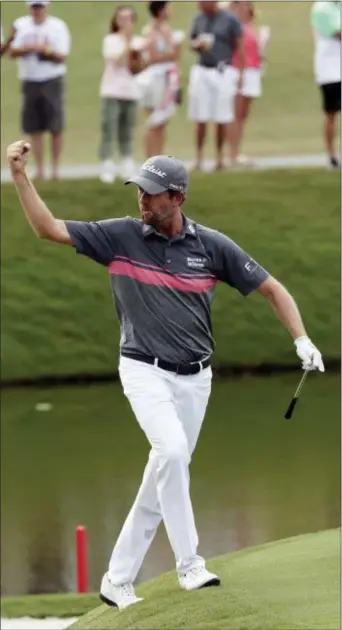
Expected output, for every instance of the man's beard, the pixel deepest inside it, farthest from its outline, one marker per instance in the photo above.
(160, 218)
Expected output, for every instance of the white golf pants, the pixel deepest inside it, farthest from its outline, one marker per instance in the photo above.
(170, 410)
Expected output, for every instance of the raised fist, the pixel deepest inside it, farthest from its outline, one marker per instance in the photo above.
(17, 156)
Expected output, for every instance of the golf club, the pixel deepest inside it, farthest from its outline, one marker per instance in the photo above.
(293, 402)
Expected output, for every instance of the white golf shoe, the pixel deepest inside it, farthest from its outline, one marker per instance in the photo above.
(198, 577)
(119, 596)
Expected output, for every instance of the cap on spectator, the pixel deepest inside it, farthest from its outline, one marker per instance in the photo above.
(38, 3)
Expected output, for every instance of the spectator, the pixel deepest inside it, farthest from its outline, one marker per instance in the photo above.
(326, 23)
(41, 45)
(216, 35)
(5, 43)
(251, 82)
(119, 94)
(160, 82)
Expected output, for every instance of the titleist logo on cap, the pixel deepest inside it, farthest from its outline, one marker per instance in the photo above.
(153, 169)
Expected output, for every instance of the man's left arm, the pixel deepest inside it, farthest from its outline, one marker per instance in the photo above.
(235, 267)
(288, 313)
(284, 306)
(59, 52)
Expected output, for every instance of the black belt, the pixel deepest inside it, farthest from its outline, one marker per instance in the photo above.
(208, 65)
(183, 369)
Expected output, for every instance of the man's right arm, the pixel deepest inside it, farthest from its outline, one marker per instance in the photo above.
(98, 240)
(13, 53)
(5, 45)
(41, 219)
(195, 43)
(44, 224)
(17, 47)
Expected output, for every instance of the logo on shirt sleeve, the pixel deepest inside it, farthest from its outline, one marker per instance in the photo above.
(251, 266)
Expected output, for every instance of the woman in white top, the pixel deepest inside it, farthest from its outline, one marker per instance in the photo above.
(160, 81)
(119, 94)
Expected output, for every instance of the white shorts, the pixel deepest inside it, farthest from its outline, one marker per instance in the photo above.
(151, 89)
(156, 94)
(251, 84)
(211, 94)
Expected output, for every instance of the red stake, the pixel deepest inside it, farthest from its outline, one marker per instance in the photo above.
(81, 559)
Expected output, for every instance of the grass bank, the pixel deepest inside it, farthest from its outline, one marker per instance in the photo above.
(287, 119)
(57, 313)
(290, 584)
(40, 606)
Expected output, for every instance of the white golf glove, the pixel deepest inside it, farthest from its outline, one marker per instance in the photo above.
(309, 354)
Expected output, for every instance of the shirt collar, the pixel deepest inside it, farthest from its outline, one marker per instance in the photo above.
(189, 229)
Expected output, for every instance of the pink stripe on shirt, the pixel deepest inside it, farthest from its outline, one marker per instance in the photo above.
(158, 278)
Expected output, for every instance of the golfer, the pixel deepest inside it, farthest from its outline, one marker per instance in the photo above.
(163, 269)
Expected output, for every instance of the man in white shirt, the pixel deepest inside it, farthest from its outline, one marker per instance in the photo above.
(326, 23)
(42, 45)
(6, 41)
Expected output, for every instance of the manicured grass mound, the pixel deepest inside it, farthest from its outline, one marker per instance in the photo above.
(57, 312)
(289, 584)
(39, 606)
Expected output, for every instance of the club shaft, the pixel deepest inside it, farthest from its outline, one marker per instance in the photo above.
(301, 383)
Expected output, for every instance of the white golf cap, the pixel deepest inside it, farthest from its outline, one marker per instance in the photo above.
(42, 3)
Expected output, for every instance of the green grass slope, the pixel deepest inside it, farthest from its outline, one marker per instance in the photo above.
(57, 312)
(40, 606)
(285, 585)
(286, 119)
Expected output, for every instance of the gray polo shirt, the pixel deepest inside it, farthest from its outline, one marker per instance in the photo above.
(163, 288)
(227, 30)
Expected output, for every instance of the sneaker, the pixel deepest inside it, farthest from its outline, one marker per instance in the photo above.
(242, 161)
(334, 163)
(127, 168)
(196, 167)
(198, 577)
(119, 596)
(108, 172)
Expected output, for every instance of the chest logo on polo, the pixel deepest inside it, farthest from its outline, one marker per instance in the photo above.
(197, 263)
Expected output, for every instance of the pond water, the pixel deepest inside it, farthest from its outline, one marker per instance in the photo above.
(78, 460)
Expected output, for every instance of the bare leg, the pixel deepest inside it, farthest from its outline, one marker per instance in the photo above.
(200, 136)
(329, 133)
(149, 139)
(238, 126)
(160, 139)
(242, 109)
(221, 136)
(37, 142)
(155, 140)
(246, 113)
(56, 148)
